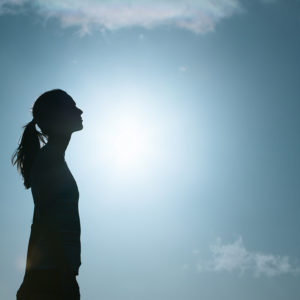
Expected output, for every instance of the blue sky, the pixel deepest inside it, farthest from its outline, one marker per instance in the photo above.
(188, 164)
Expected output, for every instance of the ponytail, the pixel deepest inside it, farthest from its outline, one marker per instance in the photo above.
(27, 150)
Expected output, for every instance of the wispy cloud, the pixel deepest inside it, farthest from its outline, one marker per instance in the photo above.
(199, 16)
(234, 257)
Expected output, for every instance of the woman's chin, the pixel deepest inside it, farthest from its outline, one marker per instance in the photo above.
(79, 127)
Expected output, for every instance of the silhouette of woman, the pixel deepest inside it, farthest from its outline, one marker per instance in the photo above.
(53, 255)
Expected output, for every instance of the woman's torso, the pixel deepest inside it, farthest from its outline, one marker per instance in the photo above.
(65, 204)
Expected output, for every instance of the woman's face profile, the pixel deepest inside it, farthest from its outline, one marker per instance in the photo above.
(67, 117)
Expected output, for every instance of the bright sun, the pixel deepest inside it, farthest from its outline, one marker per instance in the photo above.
(126, 132)
(127, 143)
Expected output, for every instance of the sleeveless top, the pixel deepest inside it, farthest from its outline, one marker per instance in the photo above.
(66, 214)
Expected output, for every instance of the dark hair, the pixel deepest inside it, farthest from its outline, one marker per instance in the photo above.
(31, 140)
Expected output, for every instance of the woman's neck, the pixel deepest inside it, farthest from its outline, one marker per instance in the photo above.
(59, 143)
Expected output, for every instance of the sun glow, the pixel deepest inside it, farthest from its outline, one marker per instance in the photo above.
(127, 138)
(128, 144)
(125, 135)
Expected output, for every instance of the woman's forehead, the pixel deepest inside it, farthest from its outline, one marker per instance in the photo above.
(68, 101)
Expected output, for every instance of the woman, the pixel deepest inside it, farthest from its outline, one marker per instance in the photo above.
(53, 256)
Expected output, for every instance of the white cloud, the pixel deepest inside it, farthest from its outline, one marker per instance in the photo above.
(235, 257)
(199, 16)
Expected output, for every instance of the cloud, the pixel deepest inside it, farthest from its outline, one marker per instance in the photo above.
(11, 6)
(235, 257)
(199, 16)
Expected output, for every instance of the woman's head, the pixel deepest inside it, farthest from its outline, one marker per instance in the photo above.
(55, 113)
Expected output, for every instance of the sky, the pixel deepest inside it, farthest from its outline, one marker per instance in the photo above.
(188, 163)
